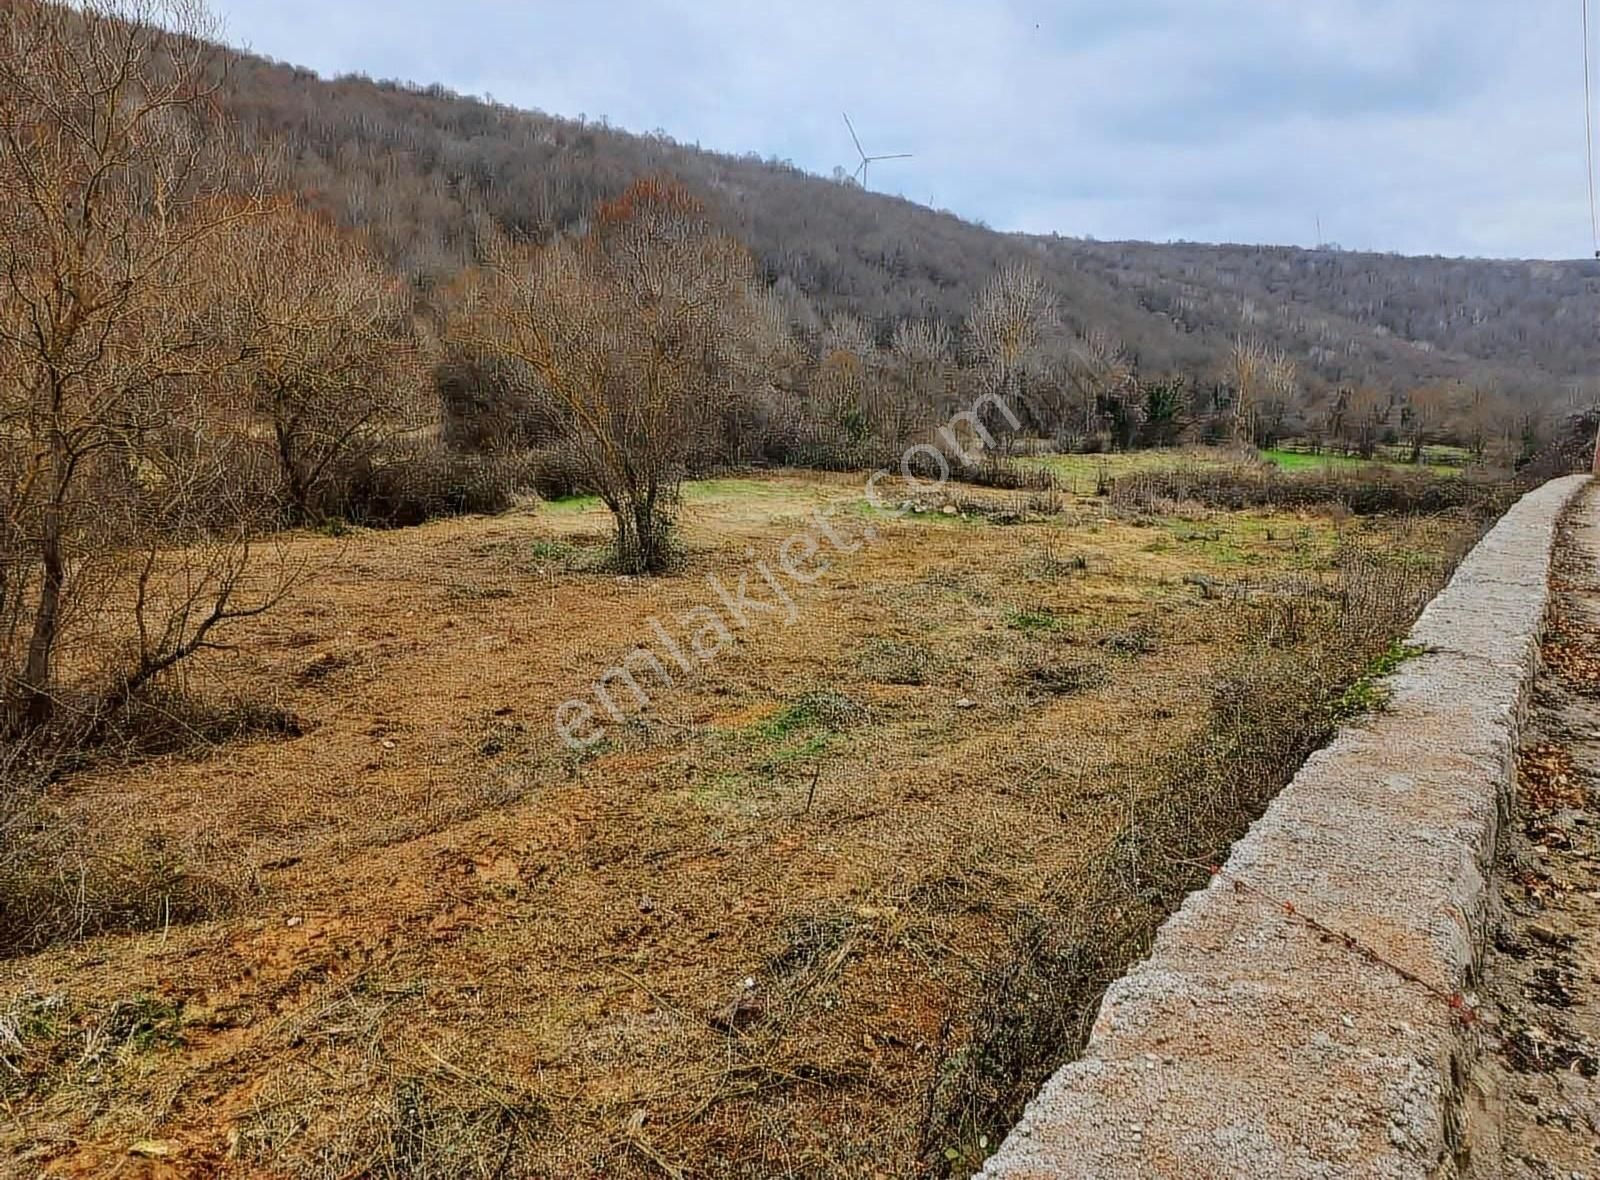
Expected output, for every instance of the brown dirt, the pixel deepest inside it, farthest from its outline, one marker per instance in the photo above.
(1537, 1093)
(656, 959)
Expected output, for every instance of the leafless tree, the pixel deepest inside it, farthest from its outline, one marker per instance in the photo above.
(923, 360)
(1263, 377)
(1008, 320)
(1097, 367)
(1366, 412)
(844, 385)
(1425, 409)
(328, 362)
(113, 157)
(633, 332)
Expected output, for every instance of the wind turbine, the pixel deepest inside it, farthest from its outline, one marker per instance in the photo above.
(861, 169)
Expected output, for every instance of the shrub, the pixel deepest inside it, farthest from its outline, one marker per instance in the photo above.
(557, 473)
(1365, 493)
(408, 486)
(991, 471)
(60, 880)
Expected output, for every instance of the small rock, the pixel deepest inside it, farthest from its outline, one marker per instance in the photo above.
(949, 509)
(1549, 936)
(739, 1014)
(387, 744)
(966, 703)
(295, 921)
(646, 905)
(152, 1148)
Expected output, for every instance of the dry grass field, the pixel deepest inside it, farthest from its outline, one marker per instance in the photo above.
(735, 938)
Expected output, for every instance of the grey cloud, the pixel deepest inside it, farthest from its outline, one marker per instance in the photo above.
(1407, 124)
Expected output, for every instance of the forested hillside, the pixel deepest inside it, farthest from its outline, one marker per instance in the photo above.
(421, 168)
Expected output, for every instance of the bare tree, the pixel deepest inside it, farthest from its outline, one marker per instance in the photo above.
(1425, 410)
(1009, 319)
(329, 365)
(923, 373)
(1263, 378)
(633, 332)
(843, 387)
(1365, 414)
(1247, 361)
(1097, 366)
(112, 160)
(1485, 418)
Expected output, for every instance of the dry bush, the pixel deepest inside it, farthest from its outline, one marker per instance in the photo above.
(1570, 450)
(485, 407)
(408, 483)
(60, 883)
(557, 473)
(434, 1125)
(893, 661)
(990, 471)
(63, 879)
(1029, 1006)
(1365, 492)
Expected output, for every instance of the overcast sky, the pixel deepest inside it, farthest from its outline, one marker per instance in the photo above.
(1425, 126)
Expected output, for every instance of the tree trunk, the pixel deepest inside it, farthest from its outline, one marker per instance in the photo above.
(35, 703)
(289, 468)
(643, 534)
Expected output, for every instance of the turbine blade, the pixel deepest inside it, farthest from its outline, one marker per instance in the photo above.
(896, 156)
(859, 149)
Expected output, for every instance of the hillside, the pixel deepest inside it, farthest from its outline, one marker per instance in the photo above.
(418, 166)
(496, 681)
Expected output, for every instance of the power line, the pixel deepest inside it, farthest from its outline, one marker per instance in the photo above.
(1588, 134)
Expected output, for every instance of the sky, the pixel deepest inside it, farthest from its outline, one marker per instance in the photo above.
(1423, 126)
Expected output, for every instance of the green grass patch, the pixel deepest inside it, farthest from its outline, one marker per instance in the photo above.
(1370, 694)
(547, 550)
(1306, 461)
(826, 710)
(574, 504)
(804, 728)
(1034, 620)
(1434, 461)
